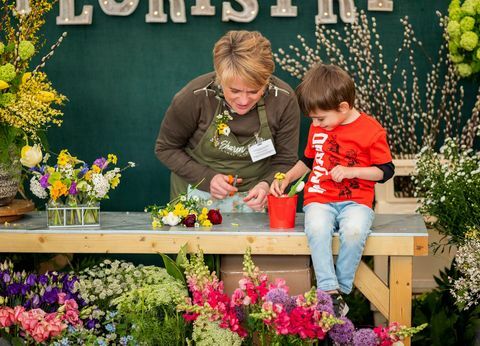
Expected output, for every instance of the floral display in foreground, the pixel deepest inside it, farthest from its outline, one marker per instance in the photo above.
(28, 101)
(71, 182)
(266, 312)
(186, 210)
(463, 30)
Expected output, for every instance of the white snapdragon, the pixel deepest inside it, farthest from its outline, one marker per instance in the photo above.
(37, 189)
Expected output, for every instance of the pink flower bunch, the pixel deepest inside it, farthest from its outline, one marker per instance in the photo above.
(295, 316)
(208, 297)
(394, 332)
(37, 323)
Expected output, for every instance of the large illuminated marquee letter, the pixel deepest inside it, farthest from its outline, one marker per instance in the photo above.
(67, 14)
(250, 11)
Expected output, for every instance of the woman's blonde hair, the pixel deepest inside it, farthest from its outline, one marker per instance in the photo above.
(246, 55)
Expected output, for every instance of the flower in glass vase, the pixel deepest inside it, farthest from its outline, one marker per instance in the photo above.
(73, 187)
(28, 101)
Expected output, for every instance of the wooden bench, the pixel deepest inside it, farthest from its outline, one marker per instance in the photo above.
(400, 237)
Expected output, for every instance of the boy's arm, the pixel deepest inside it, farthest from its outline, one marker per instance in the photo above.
(338, 173)
(278, 187)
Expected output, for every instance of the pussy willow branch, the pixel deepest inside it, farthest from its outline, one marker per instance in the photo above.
(417, 107)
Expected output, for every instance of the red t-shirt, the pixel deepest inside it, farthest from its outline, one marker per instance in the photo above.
(362, 143)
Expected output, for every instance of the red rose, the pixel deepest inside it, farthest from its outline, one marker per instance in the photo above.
(190, 220)
(214, 216)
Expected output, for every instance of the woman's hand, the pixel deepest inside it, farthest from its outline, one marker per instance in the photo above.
(257, 196)
(220, 187)
(278, 186)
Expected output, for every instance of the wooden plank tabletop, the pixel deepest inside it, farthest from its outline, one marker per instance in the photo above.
(131, 232)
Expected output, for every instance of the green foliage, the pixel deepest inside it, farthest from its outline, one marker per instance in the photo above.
(150, 314)
(447, 324)
(463, 29)
(172, 268)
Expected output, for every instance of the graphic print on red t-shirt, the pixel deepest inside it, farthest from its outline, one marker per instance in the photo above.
(362, 143)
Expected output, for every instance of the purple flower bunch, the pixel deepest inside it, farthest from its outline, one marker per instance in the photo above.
(34, 291)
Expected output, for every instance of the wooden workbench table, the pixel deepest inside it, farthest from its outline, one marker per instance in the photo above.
(398, 236)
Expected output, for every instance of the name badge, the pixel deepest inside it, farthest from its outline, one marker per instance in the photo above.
(261, 150)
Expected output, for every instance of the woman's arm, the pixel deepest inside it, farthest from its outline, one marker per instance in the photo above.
(178, 126)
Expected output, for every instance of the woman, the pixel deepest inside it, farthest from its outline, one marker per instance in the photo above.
(237, 121)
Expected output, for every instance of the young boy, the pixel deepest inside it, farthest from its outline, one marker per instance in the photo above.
(347, 152)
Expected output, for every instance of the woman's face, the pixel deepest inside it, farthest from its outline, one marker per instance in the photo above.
(239, 96)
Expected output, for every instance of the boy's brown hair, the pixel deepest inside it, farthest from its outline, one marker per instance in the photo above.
(324, 87)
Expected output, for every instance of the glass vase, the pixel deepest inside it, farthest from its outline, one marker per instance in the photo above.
(71, 214)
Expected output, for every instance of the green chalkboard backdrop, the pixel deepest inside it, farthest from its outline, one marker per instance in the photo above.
(120, 74)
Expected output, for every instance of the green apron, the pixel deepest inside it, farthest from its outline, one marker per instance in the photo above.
(230, 157)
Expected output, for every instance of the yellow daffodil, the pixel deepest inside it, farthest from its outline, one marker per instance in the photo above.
(63, 158)
(96, 169)
(58, 189)
(3, 85)
(112, 158)
(45, 96)
(279, 176)
(180, 210)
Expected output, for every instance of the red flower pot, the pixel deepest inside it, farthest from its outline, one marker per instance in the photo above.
(282, 211)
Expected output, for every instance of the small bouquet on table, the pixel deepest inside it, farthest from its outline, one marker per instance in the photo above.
(185, 210)
(74, 189)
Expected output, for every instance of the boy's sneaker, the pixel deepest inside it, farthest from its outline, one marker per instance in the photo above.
(339, 306)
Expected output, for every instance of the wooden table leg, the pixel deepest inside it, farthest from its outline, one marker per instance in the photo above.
(401, 291)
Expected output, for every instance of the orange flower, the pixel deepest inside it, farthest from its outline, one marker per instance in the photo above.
(58, 189)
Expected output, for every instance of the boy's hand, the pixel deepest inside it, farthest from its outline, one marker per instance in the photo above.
(338, 173)
(278, 186)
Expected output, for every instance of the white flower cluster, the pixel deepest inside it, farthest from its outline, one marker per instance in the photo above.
(466, 289)
(110, 279)
(101, 186)
(37, 189)
(447, 185)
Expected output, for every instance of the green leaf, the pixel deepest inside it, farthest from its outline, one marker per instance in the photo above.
(293, 189)
(172, 268)
(182, 257)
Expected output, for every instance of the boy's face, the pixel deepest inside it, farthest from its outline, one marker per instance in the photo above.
(328, 119)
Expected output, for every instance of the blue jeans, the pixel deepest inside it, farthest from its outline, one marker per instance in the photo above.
(353, 222)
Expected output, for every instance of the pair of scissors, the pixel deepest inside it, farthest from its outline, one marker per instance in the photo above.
(232, 180)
